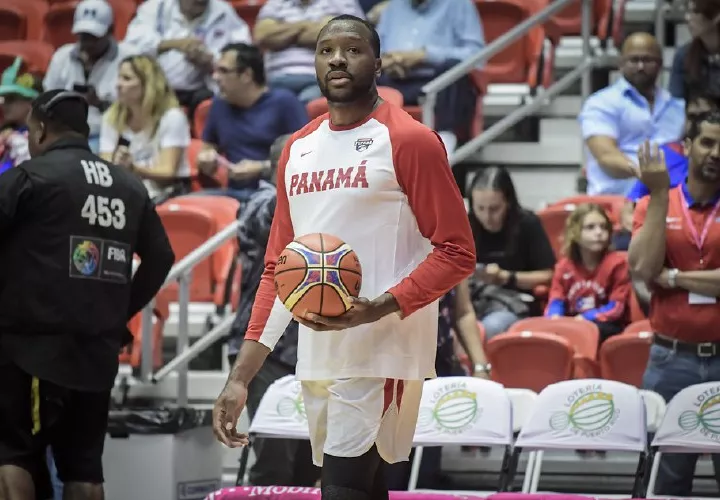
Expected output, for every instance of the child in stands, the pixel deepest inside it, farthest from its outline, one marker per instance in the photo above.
(592, 282)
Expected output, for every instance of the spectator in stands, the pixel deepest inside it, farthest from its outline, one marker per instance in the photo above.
(186, 36)
(456, 314)
(90, 65)
(422, 39)
(621, 237)
(17, 91)
(697, 104)
(591, 282)
(278, 461)
(287, 31)
(244, 121)
(674, 247)
(616, 119)
(697, 64)
(146, 131)
(513, 252)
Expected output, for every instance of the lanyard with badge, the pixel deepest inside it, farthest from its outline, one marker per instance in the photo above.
(699, 240)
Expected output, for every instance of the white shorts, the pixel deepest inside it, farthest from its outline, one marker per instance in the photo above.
(346, 417)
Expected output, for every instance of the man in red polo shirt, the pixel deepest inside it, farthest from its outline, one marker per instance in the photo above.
(675, 246)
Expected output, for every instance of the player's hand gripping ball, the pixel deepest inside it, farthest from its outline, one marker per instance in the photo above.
(318, 274)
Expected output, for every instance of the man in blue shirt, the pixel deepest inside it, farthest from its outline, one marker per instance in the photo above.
(697, 105)
(244, 121)
(422, 39)
(616, 120)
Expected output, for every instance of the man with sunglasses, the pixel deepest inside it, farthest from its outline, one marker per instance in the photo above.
(70, 224)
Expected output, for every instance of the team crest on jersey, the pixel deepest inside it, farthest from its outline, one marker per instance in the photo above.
(362, 144)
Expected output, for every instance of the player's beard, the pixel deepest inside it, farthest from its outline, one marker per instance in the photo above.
(357, 89)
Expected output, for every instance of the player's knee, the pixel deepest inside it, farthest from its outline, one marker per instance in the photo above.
(16, 483)
(83, 491)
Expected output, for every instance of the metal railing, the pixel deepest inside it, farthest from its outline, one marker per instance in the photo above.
(182, 273)
(443, 81)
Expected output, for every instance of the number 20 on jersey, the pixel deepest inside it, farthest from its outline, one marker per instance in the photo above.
(101, 210)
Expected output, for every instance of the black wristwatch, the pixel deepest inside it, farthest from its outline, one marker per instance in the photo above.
(512, 280)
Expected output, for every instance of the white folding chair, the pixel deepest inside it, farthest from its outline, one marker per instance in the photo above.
(462, 411)
(655, 408)
(523, 402)
(280, 415)
(585, 414)
(691, 425)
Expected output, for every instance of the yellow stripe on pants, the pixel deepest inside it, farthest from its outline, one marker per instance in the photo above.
(35, 404)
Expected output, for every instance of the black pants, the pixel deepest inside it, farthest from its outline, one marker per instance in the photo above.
(455, 105)
(608, 329)
(285, 462)
(35, 414)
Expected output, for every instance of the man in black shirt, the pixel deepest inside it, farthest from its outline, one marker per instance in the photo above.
(69, 227)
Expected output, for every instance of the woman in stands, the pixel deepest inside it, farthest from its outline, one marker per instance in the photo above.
(513, 253)
(146, 130)
(697, 64)
(592, 282)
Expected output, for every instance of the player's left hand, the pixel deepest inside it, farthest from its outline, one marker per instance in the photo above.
(361, 312)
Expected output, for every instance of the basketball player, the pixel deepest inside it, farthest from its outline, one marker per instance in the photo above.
(379, 180)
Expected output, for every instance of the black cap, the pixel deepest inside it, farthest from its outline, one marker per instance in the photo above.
(62, 110)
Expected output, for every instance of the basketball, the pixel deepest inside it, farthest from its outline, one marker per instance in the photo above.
(317, 273)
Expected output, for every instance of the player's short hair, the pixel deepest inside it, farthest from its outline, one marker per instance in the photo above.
(62, 111)
(712, 117)
(374, 38)
(248, 56)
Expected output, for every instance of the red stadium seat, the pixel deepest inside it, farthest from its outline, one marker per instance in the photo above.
(583, 336)
(529, 360)
(624, 357)
(612, 204)
(642, 326)
(319, 107)
(607, 19)
(528, 60)
(553, 221)
(36, 55)
(132, 354)
(22, 20)
(200, 117)
(190, 221)
(248, 10)
(59, 20)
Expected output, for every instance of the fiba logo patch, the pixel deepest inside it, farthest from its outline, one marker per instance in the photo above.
(86, 257)
(293, 407)
(590, 412)
(452, 409)
(706, 418)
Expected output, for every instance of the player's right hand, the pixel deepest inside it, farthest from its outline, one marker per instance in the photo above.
(652, 169)
(226, 414)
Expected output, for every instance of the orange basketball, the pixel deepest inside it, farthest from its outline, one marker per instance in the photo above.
(317, 273)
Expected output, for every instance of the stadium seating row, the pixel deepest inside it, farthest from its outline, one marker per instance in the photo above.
(529, 61)
(587, 414)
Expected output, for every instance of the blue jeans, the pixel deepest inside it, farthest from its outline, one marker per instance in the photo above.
(56, 483)
(497, 322)
(304, 86)
(667, 373)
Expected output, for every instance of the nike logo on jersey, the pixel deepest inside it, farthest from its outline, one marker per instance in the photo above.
(323, 180)
(305, 153)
